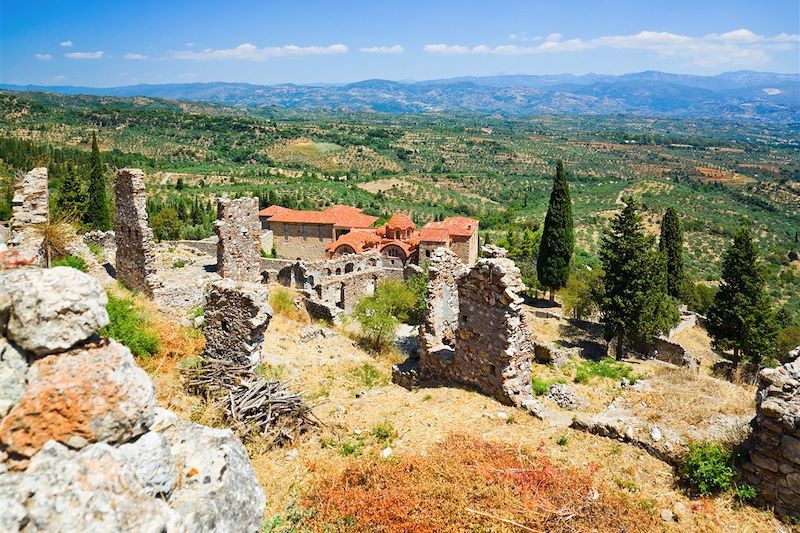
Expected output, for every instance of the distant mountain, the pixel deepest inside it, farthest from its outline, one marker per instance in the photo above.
(733, 95)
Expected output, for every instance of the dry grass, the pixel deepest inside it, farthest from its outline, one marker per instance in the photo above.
(466, 483)
(285, 302)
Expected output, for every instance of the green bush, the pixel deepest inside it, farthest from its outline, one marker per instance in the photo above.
(367, 376)
(70, 261)
(539, 387)
(129, 326)
(380, 314)
(745, 493)
(606, 368)
(384, 432)
(707, 468)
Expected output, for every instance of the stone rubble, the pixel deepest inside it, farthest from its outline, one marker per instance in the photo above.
(83, 446)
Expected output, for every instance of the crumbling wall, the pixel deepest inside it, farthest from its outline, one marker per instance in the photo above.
(239, 239)
(236, 316)
(29, 207)
(135, 255)
(774, 467)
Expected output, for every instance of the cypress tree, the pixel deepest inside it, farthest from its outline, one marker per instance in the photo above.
(97, 213)
(741, 317)
(558, 236)
(71, 200)
(633, 301)
(671, 245)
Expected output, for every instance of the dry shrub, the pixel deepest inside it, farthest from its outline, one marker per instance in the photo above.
(466, 484)
(284, 303)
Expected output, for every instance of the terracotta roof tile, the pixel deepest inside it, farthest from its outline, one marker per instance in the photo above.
(357, 239)
(400, 221)
(338, 215)
(455, 226)
(428, 234)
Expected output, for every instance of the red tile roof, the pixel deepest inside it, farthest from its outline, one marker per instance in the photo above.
(357, 239)
(455, 226)
(401, 222)
(341, 216)
(428, 234)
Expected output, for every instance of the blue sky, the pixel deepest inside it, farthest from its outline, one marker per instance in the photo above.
(120, 43)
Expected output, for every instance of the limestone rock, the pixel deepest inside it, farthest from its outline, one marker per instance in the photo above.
(89, 395)
(149, 458)
(87, 491)
(13, 367)
(217, 488)
(563, 396)
(51, 310)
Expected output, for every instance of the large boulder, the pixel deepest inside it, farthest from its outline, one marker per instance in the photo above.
(217, 489)
(50, 310)
(89, 490)
(150, 459)
(96, 394)
(13, 367)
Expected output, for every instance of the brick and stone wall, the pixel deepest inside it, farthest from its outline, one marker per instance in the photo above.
(236, 316)
(135, 255)
(466, 248)
(29, 207)
(238, 239)
(304, 242)
(774, 467)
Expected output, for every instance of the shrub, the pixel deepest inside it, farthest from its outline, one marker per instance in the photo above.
(367, 376)
(539, 387)
(578, 295)
(381, 313)
(73, 261)
(745, 493)
(96, 249)
(606, 368)
(129, 326)
(384, 432)
(180, 263)
(281, 300)
(707, 468)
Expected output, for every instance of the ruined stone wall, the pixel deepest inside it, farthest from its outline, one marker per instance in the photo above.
(236, 316)
(239, 239)
(466, 248)
(135, 255)
(306, 242)
(774, 467)
(29, 207)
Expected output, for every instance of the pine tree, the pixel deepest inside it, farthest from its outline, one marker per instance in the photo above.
(741, 317)
(671, 245)
(71, 200)
(97, 212)
(558, 236)
(633, 300)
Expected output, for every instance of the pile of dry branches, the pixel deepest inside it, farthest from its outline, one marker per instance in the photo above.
(255, 407)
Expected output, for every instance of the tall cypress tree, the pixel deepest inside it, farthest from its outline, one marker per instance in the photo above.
(71, 200)
(741, 317)
(671, 245)
(558, 236)
(633, 300)
(97, 212)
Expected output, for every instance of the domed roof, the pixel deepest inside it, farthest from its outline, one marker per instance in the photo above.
(401, 222)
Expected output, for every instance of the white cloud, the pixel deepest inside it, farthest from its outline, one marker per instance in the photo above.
(134, 56)
(396, 49)
(252, 52)
(85, 55)
(43, 57)
(65, 44)
(739, 47)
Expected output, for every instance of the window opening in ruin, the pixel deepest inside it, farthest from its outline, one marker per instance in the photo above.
(348, 268)
(341, 296)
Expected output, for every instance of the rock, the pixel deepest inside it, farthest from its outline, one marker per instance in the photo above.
(217, 488)
(149, 458)
(51, 310)
(89, 395)
(386, 452)
(199, 321)
(563, 396)
(502, 415)
(88, 490)
(680, 510)
(667, 516)
(13, 367)
(655, 434)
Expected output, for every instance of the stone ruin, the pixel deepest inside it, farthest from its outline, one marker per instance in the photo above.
(482, 341)
(83, 445)
(29, 207)
(236, 316)
(774, 467)
(135, 249)
(239, 239)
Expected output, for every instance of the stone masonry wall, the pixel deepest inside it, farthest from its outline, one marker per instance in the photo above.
(135, 255)
(237, 315)
(239, 239)
(29, 207)
(774, 467)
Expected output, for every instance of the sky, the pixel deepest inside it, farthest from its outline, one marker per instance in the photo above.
(117, 42)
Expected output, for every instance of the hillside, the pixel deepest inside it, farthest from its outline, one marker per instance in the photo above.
(743, 95)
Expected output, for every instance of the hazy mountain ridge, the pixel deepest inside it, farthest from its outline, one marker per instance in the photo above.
(733, 95)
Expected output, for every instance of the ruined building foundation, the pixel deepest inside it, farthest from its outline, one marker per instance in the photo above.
(135, 255)
(474, 332)
(239, 239)
(237, 315)
(29, 207)
(774, 467)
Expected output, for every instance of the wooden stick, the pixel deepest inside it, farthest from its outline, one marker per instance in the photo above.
(504, 520)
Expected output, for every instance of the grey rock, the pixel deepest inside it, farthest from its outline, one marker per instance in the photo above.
(563, 396)
(149, 458)
(680, 510)
(89, 491)
(655, 434)
(667, 515)
(13, 367)
(217, 488)
(51, 310)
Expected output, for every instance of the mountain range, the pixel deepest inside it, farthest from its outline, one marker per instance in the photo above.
(731, 95)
